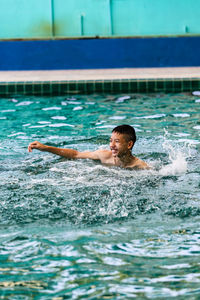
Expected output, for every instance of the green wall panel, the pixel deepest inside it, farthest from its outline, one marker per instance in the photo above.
(78, 18)
(25, 18)
(155, 17)
(82, 18)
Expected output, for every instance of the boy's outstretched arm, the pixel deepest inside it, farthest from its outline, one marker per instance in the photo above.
(64, 152)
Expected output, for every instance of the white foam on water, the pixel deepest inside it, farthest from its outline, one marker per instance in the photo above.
(180, 134)
(117, 118)
(181, 115)
(47, 181)
(106, 126)
(37, 126)
(100, 122)
(58, 118)
(197, 127)
(177, 166)
(51, 108)
(7, 110)
(60, 125)
(78, 108)
(24, 103)
(178, 163)
(15, 134)
(90, 103)
(122, 99)
(190, 142)
(157, 116)
(44, 122)
(14, 100)
(74, 103)
(196, 93)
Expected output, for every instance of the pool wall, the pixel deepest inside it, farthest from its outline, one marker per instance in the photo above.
(98, 18)
(126, 85)
(97, 34)
(100, 53)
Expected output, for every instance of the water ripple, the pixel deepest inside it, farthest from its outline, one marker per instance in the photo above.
(77, 229)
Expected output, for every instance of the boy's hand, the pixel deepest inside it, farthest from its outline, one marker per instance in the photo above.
(36, 145)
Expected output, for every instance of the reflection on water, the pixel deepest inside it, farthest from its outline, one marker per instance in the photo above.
(82, 230)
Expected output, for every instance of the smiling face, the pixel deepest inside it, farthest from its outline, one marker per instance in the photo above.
(120, 145)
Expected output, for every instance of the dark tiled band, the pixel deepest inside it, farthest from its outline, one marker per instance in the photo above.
(100, 86)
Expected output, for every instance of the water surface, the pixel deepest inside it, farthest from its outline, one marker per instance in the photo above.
(81, 230)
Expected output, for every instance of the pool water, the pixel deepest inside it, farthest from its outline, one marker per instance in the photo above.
(82, 230)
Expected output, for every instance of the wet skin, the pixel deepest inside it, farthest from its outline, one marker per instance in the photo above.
(119, 154)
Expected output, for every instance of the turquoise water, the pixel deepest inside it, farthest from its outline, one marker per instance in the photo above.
(81, 230)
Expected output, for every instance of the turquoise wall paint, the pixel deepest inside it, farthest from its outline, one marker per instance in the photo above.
(104, 18)
(82, 18)
(25, 18)
(155, 17)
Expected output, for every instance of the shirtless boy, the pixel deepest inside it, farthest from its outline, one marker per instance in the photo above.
(122, 141)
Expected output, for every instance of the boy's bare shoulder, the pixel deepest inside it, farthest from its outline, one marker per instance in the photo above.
(104, 153)
(140, 164)
(105, 156)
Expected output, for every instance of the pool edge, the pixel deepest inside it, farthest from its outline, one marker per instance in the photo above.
(146, 80)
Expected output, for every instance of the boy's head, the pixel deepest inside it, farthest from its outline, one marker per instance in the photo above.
(128, 132)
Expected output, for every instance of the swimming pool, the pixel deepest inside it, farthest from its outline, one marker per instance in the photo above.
(81, 230)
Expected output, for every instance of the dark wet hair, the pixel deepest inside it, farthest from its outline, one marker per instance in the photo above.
(128, 130)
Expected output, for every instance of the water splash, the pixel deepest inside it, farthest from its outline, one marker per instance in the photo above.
(178, 164)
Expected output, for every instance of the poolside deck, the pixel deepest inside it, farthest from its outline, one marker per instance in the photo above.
(64, 82)
(100, 74)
